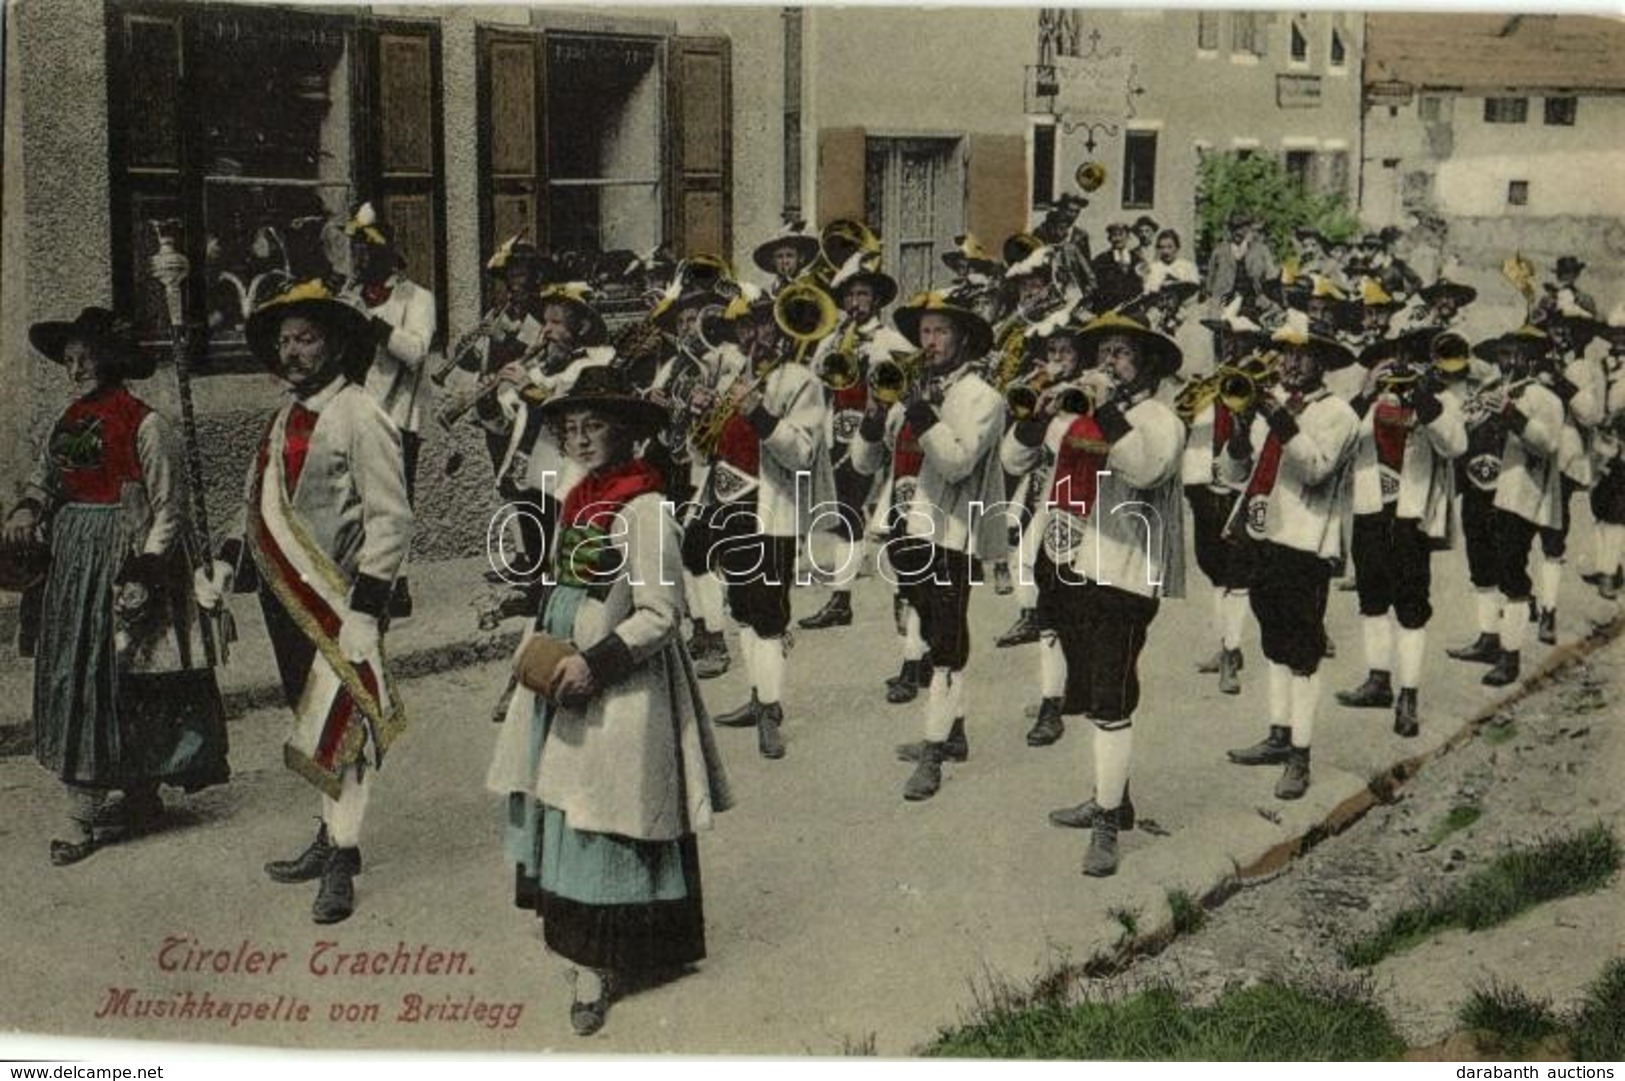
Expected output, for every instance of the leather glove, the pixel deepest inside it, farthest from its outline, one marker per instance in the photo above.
(359, 636)
(211, 584)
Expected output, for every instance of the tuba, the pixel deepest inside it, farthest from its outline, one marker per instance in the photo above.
(837, 242)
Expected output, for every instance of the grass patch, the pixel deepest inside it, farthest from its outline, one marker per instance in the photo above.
(1458, 818)
(1270, 1021)
(1128, 919)
(1189, 915)
(1515, 882)
(1496, 733)
(1515, 1020)
(1597, 1029)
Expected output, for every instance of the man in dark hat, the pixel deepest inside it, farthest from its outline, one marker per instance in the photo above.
(1101, 574)
(1145, 241)
(763, 431)
(1443, 302)
(842, 361)
(401, 320)
(1240, 265)
(940, 438)
(1565, 297)
(1117, 277)
(1404, 491)
(1292, 508)
(326, 531)
(784, 257)
(1528, 483)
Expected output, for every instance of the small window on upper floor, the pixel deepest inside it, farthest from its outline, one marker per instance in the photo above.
(1560, 111)
(1506, 110)
(1207, 31)
(1338, 56)
(1300, 43)
(1517, 193)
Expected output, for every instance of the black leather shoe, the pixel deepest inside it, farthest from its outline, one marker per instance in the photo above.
(306, 866)
(1023, 631)
(715, 660)
(1269, 751)
(1083, 816)
(1505, 671)
(956, 748)
(1294, 780)
(587, 1018)
(1548, 627)
(1485, 649)
(1229, 665)
(335, 898)
(769, 740)
(907, 686)
(837, 612)
(745, 716)
(926, 779)
(1405, 720)
(1101, 859)
(1049, 727)
(1377, 692)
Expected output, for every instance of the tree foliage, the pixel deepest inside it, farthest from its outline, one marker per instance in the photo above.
(1260, 187)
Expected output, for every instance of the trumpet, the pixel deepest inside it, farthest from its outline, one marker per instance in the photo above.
(1025, 395)
(891, 377)
(485, 328)
(1241, 387)
(840, 369)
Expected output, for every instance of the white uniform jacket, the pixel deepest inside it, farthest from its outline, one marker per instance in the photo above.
(396, 375)
(1426, 478)
(1133, 538)
(1531, 484)
(960, 469)
(1582, 412)
(875, 340)
(1305, 509)
(793, 474)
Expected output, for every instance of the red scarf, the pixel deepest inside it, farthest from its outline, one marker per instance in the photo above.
(740, 446)
(1078, 462)
(296, 443)
(599, 496)
(907, 457)
(1390, 427)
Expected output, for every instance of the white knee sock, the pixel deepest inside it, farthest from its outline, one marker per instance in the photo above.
(1219, 620)
(707, 596)
(1412, 646)
(1112, 752)
(1610, 542)
(1514, 622)
(343, 815)
(1051, 666)
(939, 718)
(747, 649)
(1487, 606)
(768, 671)
(1379, 642)
(956, 695)
(913, 644)
(1305, 702)
(1548, 582)
(1279, 693)
(1234, 605)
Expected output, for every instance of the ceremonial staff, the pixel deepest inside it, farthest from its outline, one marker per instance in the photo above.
(169, 269)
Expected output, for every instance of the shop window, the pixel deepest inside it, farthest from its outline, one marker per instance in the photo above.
(249, 134)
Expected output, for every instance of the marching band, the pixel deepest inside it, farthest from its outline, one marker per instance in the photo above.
(1041, 412)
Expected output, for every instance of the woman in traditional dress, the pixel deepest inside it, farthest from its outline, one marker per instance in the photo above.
(610, 765)
(124, 689)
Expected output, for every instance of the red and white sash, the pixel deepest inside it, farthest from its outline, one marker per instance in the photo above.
(347, 712)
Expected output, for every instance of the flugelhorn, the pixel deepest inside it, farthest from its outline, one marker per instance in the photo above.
(839, 369)
(1242, 385)
(890, 377)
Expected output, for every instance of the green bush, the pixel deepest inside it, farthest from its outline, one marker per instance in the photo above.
(1260, 186)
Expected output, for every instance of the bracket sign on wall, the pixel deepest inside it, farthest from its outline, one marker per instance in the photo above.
(1084, 87)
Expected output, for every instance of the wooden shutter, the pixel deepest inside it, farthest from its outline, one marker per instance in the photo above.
(511, 137)
(408, 141)
(700, 211)
(996, 187)
(841, 160)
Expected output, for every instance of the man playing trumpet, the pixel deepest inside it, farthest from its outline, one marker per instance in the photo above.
(1113, 545)
(939, 436)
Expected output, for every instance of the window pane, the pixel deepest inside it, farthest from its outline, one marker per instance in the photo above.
(1207, 30)
(1043, 165)
(1506, 110)
(260, 237)
(274, 92)
(1518, 193)
(1300, 43)
(1298, 163)
(1140, 169)
(1560, 111)
(603, 104)
(1339, 53)
(589, 220)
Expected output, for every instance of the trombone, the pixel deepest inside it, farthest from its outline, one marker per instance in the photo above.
(891, 377)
